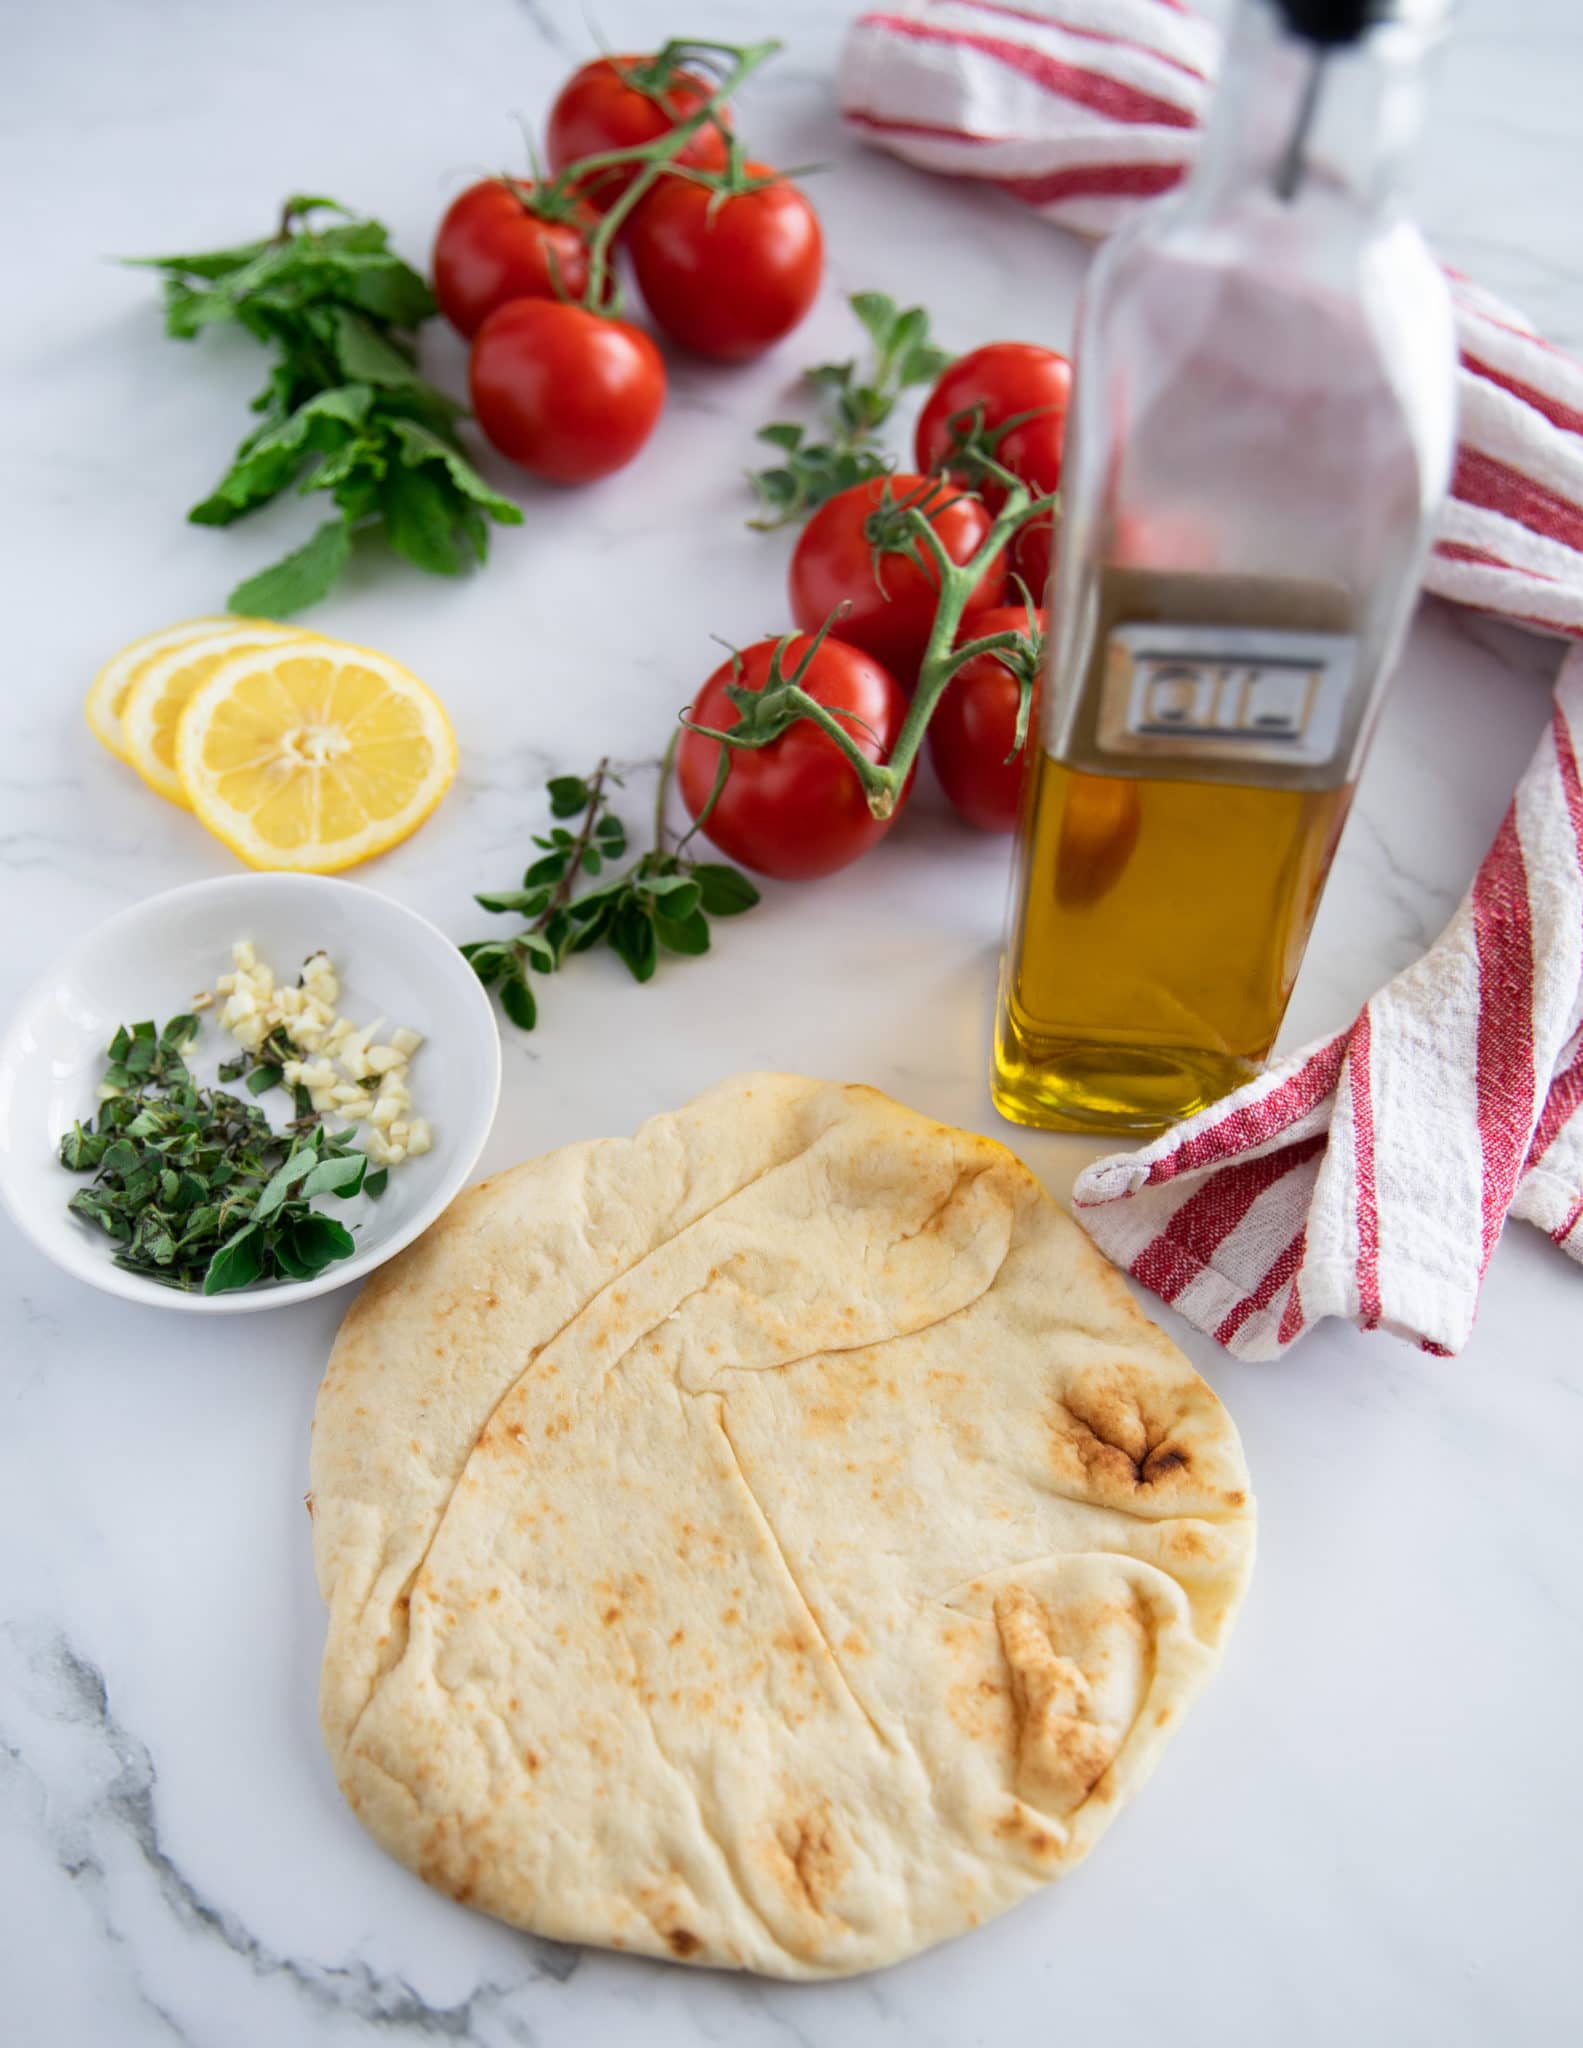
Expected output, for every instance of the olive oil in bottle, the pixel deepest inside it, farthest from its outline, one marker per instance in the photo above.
(1260, 441)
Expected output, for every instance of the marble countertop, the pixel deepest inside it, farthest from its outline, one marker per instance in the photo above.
(1369, 1830)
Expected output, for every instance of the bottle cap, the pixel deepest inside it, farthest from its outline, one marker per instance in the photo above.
(1333, 22)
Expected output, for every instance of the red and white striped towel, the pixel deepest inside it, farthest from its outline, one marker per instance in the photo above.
(1082, 108)
(1368, 1176)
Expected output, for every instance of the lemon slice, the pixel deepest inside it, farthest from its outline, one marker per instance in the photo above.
(161, 687)
(107, 695)
(313, 755)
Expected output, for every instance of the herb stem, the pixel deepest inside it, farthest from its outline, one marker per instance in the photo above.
(562, 893)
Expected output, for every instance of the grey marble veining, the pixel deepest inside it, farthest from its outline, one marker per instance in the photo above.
(1368, 1832)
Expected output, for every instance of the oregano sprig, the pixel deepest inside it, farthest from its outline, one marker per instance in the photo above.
(662, 903)
(858, 402)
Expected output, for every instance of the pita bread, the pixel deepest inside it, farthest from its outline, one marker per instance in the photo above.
(774, 1541)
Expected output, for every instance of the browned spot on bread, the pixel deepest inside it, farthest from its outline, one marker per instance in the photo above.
(1021, 1828)
(1061, 1754)
(731, 1614)
(983, 1711)
(532, 1759)
(1101, 1428)
(807, 1858)
(854, 1645)
(681, 1941)
(679, 1636)
(610, 1616)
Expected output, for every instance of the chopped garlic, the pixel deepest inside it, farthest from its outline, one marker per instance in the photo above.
(337, 1061)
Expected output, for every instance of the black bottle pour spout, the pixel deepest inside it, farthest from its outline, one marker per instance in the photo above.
(1325, 25)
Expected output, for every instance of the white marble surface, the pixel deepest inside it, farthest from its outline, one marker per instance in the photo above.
(1369, 1832)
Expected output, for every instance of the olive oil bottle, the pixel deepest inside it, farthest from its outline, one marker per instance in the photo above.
(1260, 442)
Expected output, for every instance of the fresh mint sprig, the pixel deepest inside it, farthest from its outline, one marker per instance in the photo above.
(345, 410)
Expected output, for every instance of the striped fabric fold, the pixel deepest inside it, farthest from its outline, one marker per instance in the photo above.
(1369, 1176)
(1080, 109)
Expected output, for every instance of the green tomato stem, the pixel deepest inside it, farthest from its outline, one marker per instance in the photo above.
(655, 156)
(667, 770)
(942, 657)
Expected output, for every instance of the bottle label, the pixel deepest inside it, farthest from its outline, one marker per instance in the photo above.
(1239, 696)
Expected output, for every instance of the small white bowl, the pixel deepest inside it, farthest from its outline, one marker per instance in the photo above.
(150, 962)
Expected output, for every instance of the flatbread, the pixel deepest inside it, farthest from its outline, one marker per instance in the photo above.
(774, 1541)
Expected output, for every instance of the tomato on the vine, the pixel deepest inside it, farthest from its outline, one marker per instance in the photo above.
(621, 103)
(727, 277)
(794, 808)
(989, 386)
(842, 558)
(1031, 554)
(974, 727)
(562, 391)
(493, 246)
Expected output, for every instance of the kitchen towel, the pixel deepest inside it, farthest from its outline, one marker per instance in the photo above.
(1083, 108)
(1367, 1176)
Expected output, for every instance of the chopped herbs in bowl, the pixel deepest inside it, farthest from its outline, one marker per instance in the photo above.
(270, 1142)
(195, 1186)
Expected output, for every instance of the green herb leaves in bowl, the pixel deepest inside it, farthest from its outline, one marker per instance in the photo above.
(193, 1184)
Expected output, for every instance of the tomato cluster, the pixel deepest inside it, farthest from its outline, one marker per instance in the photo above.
(726, 253)
(794, 807)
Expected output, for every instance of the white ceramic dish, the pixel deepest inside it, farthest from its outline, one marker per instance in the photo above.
(150, 961)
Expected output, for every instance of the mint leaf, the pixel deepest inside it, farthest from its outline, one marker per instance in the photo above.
(298, 579)
(419, 520)
(418, 444)
(271, 459)
(364, 354)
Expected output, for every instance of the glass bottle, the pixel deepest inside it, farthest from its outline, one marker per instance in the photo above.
(1260, 441)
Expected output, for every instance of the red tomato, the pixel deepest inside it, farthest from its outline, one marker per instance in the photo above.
(1031, 554)
(492, 247)
(794, 808)
(892, 599)
(1004, 379)
(565, 393)
(598, 109)
(974, 728)
(727, 277)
